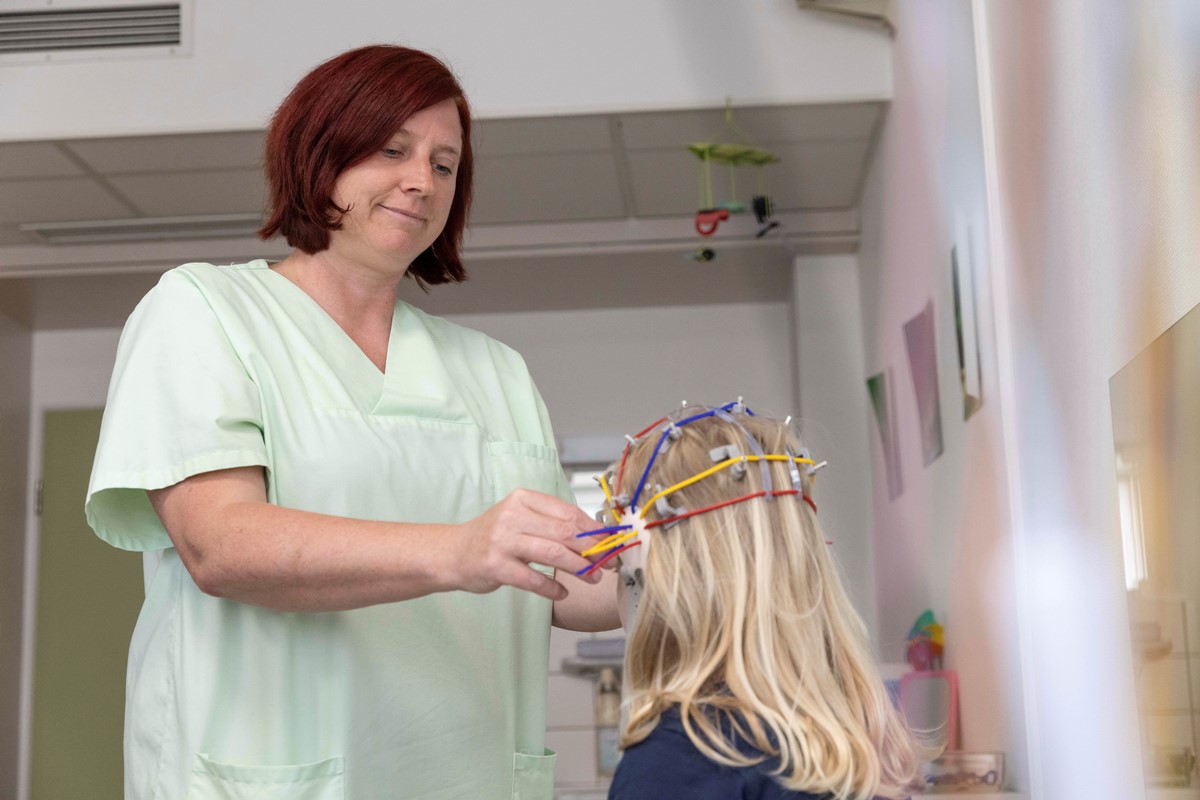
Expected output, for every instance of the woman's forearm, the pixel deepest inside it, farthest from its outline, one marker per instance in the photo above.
(290, 560)
(237, 545)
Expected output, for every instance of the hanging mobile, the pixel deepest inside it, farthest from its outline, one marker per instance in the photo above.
(763, 207)
(712, 214)
(709, 216)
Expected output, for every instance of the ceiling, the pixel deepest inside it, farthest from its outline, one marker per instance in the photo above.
(551, 169)
(540, 174)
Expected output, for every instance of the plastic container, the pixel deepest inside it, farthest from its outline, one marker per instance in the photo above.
(608, 722)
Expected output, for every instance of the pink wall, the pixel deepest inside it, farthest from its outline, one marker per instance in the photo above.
(945, 542)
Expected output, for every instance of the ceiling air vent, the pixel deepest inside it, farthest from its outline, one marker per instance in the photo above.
(90, 28)
(144, 229)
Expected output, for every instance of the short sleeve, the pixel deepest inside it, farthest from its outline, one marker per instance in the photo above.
(180, 403)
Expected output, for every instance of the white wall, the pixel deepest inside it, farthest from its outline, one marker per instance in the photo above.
(71, 368)
(600, 371)
(534, 57)
(944, 543)
(1096, 112)
(614, 371)
(828, 329)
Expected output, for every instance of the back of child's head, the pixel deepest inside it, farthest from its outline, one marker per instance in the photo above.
(743, 622)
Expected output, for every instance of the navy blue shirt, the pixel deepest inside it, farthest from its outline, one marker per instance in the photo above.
(666, 765)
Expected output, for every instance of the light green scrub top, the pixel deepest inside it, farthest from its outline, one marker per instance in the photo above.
(439, 697)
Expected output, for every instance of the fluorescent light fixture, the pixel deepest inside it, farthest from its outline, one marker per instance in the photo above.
(145, 229)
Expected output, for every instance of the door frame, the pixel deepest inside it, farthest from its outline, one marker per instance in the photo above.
(71, 372)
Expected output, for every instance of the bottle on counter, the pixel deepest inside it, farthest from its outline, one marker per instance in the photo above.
(608, 721)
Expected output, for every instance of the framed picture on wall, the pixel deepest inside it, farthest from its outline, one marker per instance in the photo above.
(966, 321)
(883, 403)
(920, 342)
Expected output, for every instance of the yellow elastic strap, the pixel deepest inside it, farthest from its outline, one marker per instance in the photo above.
(607, 492)
(712, 470)
(618, 538)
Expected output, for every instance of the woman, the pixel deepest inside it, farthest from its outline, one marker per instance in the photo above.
(352, 512)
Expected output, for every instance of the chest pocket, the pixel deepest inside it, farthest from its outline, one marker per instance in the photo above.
(523, 465)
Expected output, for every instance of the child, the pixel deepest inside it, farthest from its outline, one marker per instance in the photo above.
(747, 670)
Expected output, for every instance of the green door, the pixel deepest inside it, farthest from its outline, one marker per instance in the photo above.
(88, 598)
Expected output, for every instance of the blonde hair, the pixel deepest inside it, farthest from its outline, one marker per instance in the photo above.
(744, 625)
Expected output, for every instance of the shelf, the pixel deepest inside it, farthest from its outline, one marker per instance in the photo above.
(590, 667)
(1172, 793)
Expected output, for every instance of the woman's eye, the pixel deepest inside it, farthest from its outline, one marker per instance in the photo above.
(443, 169)
(391, 152)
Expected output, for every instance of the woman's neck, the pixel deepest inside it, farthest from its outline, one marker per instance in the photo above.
(361, 301)
(354, 295)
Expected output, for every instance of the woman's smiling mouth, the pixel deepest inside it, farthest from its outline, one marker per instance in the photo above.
(405, 214)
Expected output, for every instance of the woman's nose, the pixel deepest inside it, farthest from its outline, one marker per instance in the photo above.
(417, 177)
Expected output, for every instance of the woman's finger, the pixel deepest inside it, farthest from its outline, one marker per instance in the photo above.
(551, 553)
(553, 519)
(552, 506)
(522, 576)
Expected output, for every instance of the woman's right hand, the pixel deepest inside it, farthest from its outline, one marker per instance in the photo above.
(496, 548)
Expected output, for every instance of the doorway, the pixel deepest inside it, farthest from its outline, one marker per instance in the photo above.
(88, 598)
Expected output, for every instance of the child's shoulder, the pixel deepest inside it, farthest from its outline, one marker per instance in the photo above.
(668, 764)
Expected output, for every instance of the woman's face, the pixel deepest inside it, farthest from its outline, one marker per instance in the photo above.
(400, 196)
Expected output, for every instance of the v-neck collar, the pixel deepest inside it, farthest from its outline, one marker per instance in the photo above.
(317, 310)
(414, 382)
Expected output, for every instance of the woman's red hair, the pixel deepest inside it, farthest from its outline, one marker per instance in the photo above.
(342, 112)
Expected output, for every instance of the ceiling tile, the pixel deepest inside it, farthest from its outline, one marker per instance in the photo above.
(552, 188)
(176, 194)
(671, 128)
(761, 125)
(818, 175)
(542, 136)
(35, 160)
(57, 200)
(170, 153)
(11, 234)
(811, 122)
(667, 182)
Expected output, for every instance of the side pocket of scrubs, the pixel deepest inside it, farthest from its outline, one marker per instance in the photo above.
(533, 776)
(212, 780)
